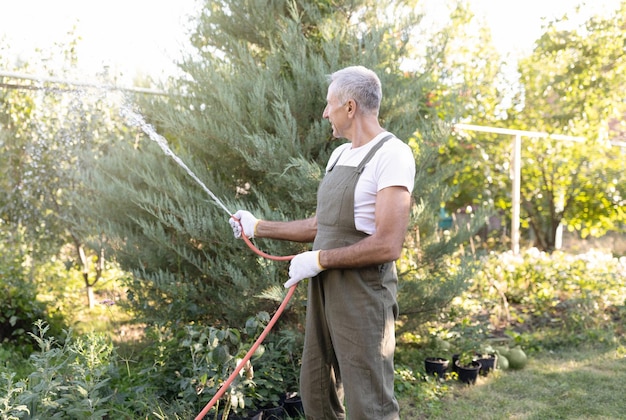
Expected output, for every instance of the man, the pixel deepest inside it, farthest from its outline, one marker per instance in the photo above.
(361, 219)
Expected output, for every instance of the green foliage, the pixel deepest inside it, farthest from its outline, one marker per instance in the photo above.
(427, 287)
(277, 369)
(558, 384)
(19, 306)
(571, 84)
(469, 86)
(554, 300)
(434, 265)
(190, 365)
(49, 135)
(69, 381)
(571, 79)
(86, 376)
(542, 302)
(417, 386)
(535, 291)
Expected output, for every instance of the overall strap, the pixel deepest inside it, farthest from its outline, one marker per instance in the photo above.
(371, 153)
(367, 158)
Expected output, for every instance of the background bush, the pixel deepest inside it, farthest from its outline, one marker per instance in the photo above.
(18, 300)
(536, 290)
(540, 300)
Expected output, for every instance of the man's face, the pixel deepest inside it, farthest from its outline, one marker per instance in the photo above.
(336, 113)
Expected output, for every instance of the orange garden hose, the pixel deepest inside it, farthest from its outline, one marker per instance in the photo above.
(259, 340)
(263, 254)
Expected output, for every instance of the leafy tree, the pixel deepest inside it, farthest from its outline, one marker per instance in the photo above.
(572, 84)
(246, 119)
(49, 132)
(469, 86)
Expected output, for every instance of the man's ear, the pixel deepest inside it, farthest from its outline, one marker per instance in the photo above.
(351, 107)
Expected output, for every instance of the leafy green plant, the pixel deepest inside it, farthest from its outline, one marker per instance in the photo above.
(466, 357)
(276, 371)
(69, 381)
(533, 290)
(191, 363)
(19, 306)
(468, 339)
(9, 407)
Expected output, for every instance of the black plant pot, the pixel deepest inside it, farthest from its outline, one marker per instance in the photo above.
(274, 413)
(487, 364)
(436, 366)
(293, 407)
(468, 374)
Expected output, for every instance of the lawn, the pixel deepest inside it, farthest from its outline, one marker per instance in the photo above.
(584, 383)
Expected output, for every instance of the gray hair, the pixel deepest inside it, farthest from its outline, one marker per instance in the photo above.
(358, 83)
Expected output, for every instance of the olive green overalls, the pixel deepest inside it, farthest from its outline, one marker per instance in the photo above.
(350, 338)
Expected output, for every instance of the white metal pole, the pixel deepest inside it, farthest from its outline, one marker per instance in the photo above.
(512, 132)
(517, 175)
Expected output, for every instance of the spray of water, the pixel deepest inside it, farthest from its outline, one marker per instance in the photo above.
(138, 120)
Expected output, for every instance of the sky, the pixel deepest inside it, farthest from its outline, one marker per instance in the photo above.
(515, 25)
(130, 36)
(148, 36)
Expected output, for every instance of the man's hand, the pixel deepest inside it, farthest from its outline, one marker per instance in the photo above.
(245, 219)
(304, 266)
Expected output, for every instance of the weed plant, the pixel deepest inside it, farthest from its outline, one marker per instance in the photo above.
(68, 381)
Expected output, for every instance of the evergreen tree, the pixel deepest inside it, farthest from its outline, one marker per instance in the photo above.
(246, 119)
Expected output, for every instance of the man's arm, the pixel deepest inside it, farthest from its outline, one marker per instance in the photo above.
(392, 219)
(297, 230)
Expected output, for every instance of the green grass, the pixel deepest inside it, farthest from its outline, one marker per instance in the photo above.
(569, 384)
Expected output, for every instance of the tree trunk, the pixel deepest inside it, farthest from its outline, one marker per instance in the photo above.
(84, 264)
(91, 299)
(84, 267)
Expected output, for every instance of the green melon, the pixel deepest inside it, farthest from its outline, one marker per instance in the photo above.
(502, 350)
(503, 362)
(517, 358)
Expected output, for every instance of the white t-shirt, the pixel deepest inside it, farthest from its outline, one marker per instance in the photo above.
(392, 165)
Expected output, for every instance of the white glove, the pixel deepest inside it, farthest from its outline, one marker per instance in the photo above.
(245, 219)
(304, 266)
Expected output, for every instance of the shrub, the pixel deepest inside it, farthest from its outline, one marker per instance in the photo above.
(533, 290)
(69, 381)
(19, 307)
(188, 365)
